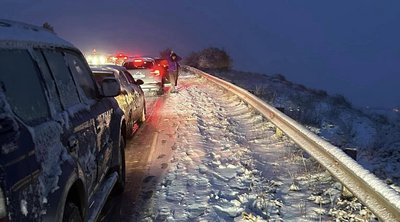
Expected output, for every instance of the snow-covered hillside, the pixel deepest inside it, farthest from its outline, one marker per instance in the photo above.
(375, 135)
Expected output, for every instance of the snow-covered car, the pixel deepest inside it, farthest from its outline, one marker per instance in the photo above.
(61, 137)
(144, 68)
(131, 100)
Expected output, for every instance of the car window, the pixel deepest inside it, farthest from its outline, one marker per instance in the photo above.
(122, 78)
(129, 77)
(65, 84)
(82, 74)
(20, 82)
(139, 64)
(49, 81)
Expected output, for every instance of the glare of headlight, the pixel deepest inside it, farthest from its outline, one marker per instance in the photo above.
(95, 61)
(102, 60)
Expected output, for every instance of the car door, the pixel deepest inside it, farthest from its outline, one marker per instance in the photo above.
(138, 94)
(101, 111)
(131, 91)
(79, 135)
(126, 92)
(25, 152)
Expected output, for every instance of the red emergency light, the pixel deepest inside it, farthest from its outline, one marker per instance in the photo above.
(121, 56)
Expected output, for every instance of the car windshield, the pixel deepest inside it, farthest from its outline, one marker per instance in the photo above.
(139, 64)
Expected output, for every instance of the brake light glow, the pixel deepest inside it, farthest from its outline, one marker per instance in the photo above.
(138, 60)
(156, 72)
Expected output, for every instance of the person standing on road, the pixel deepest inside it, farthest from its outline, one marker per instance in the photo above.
(173, 68)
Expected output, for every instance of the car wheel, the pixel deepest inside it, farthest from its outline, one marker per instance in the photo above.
(120, 186)
(71, 213)
(161, 89)
(129, 127)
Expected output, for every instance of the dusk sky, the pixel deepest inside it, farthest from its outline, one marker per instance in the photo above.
(344, 47)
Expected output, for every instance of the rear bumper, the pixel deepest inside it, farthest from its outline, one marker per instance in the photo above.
(151, 86)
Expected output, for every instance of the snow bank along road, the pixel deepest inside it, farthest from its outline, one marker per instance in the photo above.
(204, 155)
(382, 199)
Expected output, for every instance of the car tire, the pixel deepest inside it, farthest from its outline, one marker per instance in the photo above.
(120, 185)
(71, 213)
(129, 127)
(161, 89)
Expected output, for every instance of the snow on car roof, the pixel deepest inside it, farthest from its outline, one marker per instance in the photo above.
(103, 70)
(12, 32)
(100, 69)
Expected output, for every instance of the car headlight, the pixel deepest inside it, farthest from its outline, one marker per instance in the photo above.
(3, 207)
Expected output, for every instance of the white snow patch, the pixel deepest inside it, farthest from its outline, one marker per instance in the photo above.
(221, 171)
(51, 154)
(24, 207)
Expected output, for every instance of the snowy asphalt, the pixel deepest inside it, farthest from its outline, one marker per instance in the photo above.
(204, 155)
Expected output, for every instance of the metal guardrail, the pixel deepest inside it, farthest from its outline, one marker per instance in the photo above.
(374, 193)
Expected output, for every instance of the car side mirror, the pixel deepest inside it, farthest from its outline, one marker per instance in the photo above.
(110, 87)
(139, 82)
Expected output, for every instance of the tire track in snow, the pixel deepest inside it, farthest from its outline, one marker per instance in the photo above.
(228, 165)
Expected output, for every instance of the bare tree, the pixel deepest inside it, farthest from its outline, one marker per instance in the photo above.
(210, 58)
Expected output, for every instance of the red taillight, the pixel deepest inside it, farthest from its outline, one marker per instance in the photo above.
(138, 60)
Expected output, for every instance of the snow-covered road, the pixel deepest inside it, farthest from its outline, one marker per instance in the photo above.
(204, 155)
